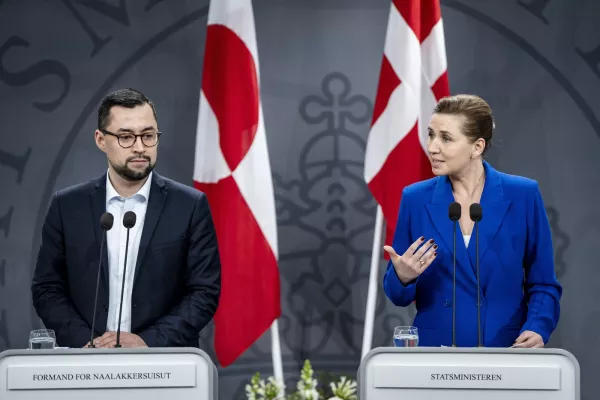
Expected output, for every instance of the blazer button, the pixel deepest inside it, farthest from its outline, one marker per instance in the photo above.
(105, 308)
(135, 305)
(447, 303)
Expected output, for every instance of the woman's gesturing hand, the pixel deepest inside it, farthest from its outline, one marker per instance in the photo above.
(413, 262)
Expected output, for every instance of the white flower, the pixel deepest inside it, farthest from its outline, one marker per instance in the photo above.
(250, 393)
(345, 389)
(307, 386)
(308, 392)
(274, 390)
(256, 389)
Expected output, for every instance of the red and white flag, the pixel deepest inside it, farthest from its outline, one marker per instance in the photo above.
(232, 168)
(413, 78)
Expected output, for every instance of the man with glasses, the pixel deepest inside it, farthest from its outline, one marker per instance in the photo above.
(172, 277)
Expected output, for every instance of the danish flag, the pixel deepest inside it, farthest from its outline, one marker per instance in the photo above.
(413, 78)
(232, 168)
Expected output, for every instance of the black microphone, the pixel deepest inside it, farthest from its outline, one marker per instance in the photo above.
(476, 214)
(454, 212)
(106, 222)
(128, 222)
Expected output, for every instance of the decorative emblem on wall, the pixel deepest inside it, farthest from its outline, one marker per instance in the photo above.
(325, 219)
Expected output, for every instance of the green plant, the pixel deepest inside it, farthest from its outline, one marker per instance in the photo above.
(307, 388)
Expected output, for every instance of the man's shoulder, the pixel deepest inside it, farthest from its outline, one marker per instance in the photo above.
(180, 190)
(80, 189)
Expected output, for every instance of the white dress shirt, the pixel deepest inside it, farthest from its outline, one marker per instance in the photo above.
(116, 238)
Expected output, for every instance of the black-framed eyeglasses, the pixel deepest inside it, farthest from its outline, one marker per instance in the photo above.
(126, 140)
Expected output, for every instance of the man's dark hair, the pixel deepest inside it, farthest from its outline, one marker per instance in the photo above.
(128, 98)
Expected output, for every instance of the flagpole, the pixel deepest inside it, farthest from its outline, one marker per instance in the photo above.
(276, 354)
(373, 284)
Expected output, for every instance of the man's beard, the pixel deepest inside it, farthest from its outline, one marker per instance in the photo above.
(130, 175)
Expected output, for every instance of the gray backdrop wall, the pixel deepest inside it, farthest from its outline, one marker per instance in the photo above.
(535, 61)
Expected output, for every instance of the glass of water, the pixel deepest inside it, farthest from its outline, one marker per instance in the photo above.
(406, 336)
(40, 339)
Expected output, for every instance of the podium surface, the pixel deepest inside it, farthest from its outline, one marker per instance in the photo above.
(117, 374)
(452, 373)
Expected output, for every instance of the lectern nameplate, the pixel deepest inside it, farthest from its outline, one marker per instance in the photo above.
(466, 377)
(31, 377)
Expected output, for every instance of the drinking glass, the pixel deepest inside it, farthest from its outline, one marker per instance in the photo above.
(40, 339)
(406, 336)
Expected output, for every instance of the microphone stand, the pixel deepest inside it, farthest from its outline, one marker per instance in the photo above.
(478, 286)
(118, 344)
(454, 288)
(97, 286)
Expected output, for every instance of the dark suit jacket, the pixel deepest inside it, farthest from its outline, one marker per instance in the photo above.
(177, 277)
(519, 290)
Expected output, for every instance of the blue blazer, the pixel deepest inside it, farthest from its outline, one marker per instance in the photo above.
(177, 279)
(518, 287)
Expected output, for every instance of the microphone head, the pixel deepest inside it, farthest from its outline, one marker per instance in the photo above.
(454, 211)
(476, 213)
(129, 219)
(106, 221)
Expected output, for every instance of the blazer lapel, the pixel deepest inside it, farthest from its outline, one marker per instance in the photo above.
(156, 202)
(98, 202)
(494, 208)
(438, 212)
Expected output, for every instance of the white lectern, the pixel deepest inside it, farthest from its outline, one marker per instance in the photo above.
(453, 373)
(114, 374)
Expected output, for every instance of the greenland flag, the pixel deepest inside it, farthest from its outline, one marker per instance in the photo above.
(232, 168)
(413, 78)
